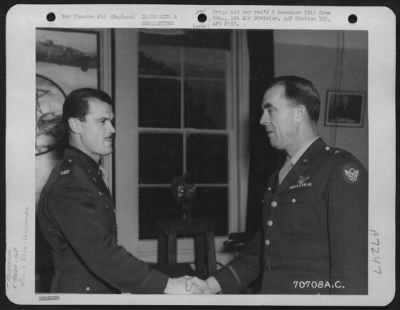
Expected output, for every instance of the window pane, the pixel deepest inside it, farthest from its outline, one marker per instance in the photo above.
(159, 60)
(205, 62)
(207, 158)
(155, 204)
(158, 204)
(212, 203)
(205, 105)
(159, 103)
(160, 158)
(219, 39)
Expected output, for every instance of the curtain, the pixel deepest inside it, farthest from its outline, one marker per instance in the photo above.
(263, 159)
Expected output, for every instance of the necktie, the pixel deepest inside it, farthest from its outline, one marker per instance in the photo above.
(103, 174)
(285, 169)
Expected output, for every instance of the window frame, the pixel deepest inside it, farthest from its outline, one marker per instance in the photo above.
(126, 152)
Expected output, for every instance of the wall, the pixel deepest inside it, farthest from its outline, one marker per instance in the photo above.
(332, 60)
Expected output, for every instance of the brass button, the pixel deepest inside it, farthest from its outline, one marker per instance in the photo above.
(274, 204)
(327, 148)
(87, 288)
(294, 200)
(269, 189)
(267, 242)
(270, 223)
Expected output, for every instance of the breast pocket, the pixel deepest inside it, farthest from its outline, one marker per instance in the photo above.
(105, 212)
(303, 214)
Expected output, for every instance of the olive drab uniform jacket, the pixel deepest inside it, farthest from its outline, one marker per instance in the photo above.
(314, 234)
(77, 217)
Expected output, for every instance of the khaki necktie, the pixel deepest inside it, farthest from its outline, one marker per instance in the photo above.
(103, 174)
(285, 169)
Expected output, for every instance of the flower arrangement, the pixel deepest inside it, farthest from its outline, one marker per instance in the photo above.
(184, 192)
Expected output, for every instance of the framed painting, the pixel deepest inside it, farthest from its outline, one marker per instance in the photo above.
(66, 59)
(345, 108)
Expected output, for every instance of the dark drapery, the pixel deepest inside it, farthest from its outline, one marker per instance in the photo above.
(263, 158)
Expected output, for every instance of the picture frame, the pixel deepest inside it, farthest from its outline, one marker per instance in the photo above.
(66, 59)
(345, 108)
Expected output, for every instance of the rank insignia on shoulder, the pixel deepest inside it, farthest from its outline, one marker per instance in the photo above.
(351, 174)
(65, 172)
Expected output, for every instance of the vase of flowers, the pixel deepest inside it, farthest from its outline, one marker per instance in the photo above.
(184, 192)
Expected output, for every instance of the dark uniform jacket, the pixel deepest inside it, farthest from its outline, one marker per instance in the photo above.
(77, 217)
(314, 233)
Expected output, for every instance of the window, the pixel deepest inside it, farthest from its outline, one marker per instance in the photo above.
(185, 114)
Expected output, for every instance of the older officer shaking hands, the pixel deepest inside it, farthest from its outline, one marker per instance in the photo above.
(77, 216)
(313, 236)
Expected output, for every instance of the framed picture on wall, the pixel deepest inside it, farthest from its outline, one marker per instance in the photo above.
(345, 108)
(66, 59)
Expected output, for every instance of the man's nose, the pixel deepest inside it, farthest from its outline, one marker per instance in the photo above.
(264, 118)
(111, 128)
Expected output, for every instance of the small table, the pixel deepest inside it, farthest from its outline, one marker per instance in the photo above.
(202, 230)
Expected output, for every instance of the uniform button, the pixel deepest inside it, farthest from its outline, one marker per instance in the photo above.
(267, 242)
(87, 288)
(274, 204)
(327, 148)
(101, 194)
(294, 200)
(270, 223)
(69, 160)
(269, 189)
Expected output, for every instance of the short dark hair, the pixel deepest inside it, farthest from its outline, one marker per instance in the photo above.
(300, 91)
(76, 103)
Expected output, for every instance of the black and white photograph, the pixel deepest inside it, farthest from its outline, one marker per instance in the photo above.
(305, 233)
(183, 161)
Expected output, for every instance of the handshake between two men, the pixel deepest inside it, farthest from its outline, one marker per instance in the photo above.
(187, 285)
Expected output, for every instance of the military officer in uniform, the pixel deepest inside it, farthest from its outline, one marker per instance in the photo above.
(314, 234)
(76, 212)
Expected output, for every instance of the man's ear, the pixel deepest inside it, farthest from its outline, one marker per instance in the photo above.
(75, 125)
(301, 113)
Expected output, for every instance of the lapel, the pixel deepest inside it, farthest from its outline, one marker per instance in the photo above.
(301, 165)
(89, 167)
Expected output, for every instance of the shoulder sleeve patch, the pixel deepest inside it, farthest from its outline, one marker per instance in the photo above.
(351, 173)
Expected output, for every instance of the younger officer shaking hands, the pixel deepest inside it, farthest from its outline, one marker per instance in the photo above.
(76, 212)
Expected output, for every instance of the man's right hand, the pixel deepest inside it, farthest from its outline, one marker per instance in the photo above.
(209, 286)
(181, 286)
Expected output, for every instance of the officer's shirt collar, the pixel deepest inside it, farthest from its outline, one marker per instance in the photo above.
(300, 152)
(76, 154)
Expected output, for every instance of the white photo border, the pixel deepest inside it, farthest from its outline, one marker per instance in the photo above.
(21, 23)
